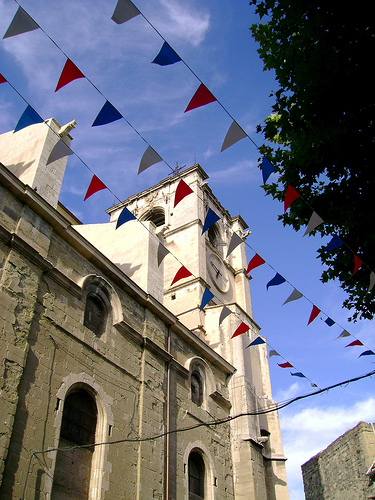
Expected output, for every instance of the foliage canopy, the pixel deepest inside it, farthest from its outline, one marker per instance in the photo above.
(320, 136)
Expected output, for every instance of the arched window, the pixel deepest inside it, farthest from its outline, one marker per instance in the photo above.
(96, 314)
(73, 467)
(213, 234)
(156, 215)
(196, 384)
(196, 471)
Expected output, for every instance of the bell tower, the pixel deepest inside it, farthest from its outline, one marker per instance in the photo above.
(258, 460)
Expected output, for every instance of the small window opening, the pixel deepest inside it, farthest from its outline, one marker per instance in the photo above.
(196, 476)
(214, 236)
(95, 314)
(157, 216)
(196, 388)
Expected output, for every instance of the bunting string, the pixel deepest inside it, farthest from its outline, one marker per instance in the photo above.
(109, 113)
(124, 11)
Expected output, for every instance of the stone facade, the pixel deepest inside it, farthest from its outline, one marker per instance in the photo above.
(339, 471)
(102, 358)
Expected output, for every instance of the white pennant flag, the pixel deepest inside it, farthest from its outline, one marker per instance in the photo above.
(314, 222)
(234, 134)
(59, 151)
(150, 157)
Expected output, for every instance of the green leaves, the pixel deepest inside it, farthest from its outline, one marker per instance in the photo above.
(320, 134)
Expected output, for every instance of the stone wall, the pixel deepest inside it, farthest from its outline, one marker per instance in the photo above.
(339, 472)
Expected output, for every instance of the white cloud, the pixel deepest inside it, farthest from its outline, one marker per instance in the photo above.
(305, 433)
(184, 22)
(235, 174)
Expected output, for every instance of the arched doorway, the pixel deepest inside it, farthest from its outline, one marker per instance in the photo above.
(74, 457)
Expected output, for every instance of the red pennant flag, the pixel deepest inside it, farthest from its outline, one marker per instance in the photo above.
(69, 73)
(201, 97)
(290, 195)
(182, 190)
(314, 313)
(357, 264)
(285, 365)
(2, 79)
(95, 185)
(181, 273)
(355, 342)
(255, 262)
(240, 330)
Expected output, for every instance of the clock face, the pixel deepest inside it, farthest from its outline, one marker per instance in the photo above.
(218, 273)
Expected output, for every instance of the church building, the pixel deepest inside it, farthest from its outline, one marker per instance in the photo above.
(119, 376)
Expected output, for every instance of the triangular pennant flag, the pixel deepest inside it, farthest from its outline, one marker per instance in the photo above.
(354, 343)
(295, 295)
(234, 242)
(240, 330)
(273, 353)
(313, 385)
(207, 296)
(314, 222)
(257, 341)
(367, 353)
(95, 186)
(181, 273)
(267, 169)
(201, 97)
(149, 158)
(224, 313)
(297, 374)
(162, 252)
(372, 281)
(329, 322)
(255, 262)
(290, 195)
(107, 114)
(234, 134)
(60, 150)
(285, 365)
(210, 219)
(314, 313)
(124, 216)
(182, 190)
(69, 73)
(343, 334)
(166, 56)
(2, 79)
(21, 23)
(28, 117)
(357, 263)
(124, 11)
(333, 244)
(276, 280)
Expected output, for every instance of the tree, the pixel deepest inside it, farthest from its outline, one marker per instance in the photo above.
(320, 136)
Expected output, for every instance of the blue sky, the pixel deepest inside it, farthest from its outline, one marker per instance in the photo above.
(214, 40)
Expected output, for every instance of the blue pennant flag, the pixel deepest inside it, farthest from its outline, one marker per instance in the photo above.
(207, 296)
(211, 218)
(276, 280)
(29, 117)
(367, 353)
(333, 244)
(107, 114)
(124, 216)
(166, 56)
(329, 322)
(267, 169)
(257, 341)
(297, 374)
